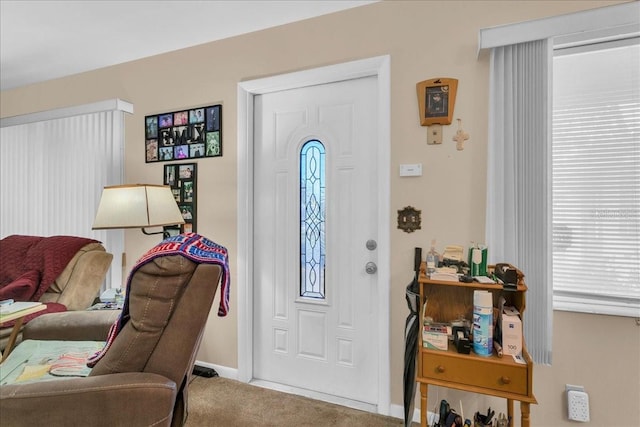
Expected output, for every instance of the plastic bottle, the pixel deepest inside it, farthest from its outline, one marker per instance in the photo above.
(482, 323)
(432, 258)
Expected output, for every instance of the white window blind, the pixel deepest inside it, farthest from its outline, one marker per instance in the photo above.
(596, 178)
(518, 169)
(54, 166)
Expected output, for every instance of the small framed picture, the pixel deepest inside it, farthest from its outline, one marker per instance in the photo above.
(436, 99)
(196, 150)
(213, 118)
(152, 150)
(186, 171)
(170, 175)
(165, 120)
(212, 145)
(196, 116)
(181, 152)
(187, 191)
(166, 153)
(151, 127)
(180, 118)
(187, 212)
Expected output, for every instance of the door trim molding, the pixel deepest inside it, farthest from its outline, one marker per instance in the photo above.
(381, 68)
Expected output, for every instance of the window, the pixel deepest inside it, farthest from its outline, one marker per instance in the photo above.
(312, 220)
(596, 178)
(57, 162)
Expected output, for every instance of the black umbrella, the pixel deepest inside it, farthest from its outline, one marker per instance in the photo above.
(411, 331)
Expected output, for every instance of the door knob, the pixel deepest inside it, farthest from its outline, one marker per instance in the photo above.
(371, 267)
(371, 244)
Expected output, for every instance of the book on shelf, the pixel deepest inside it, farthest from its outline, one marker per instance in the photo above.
(7, 310)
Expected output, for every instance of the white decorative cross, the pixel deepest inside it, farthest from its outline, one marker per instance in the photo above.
(460, 137)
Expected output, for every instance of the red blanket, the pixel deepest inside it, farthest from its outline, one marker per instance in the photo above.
(30, 264)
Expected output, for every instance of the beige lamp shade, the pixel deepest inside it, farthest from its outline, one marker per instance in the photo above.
(137, 206)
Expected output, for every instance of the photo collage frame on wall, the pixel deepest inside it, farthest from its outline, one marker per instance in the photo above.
(186, 134)
(182, 178)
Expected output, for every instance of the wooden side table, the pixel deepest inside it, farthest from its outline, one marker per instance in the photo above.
(18, 316)
(495, 376)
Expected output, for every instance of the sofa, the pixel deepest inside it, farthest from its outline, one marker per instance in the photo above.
(64, 272)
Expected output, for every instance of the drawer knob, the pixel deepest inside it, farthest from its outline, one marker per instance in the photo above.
(505, 380)
(440, 369)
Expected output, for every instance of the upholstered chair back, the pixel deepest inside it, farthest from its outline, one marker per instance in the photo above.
(169, 300)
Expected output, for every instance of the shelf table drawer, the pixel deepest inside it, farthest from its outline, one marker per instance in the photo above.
(490, 373)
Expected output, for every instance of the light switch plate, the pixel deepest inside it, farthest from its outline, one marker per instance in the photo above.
(411, 169)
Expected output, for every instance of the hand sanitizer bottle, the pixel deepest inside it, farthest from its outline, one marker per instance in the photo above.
(432, 259)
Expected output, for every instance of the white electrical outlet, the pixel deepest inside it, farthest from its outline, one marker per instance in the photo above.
(434, 135)
(577, 403)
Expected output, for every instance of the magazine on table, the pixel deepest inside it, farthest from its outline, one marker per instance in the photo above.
(9, 308)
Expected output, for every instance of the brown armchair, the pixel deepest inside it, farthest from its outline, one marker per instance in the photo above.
(142, 379)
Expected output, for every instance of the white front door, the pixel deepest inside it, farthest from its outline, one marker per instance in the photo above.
(315, 223)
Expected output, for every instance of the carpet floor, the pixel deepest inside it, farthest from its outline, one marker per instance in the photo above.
(224, 402)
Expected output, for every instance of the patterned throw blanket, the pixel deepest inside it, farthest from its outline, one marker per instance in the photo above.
(193, 246)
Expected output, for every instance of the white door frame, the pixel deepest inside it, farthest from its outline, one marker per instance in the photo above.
(379, 67)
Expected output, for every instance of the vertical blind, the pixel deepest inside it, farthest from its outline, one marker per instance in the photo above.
(53, 173)
(518, 170)
(596, 178)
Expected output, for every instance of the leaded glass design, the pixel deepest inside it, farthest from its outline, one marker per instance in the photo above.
(312, 220)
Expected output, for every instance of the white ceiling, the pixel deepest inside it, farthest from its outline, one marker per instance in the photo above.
(43, 40)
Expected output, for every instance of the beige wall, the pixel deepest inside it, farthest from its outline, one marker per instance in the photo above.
(425, 40)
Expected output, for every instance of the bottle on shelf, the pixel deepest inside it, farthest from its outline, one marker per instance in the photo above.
(432, 258)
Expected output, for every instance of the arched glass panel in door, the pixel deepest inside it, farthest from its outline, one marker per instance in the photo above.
(312, 220)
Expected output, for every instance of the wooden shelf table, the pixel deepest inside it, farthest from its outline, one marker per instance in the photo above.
(492, 375)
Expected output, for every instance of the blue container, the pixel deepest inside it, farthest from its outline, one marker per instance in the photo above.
(482, 323)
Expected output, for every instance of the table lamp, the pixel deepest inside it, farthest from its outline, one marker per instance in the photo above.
(137, 206)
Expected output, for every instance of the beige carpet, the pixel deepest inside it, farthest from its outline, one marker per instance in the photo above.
(224, 402)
